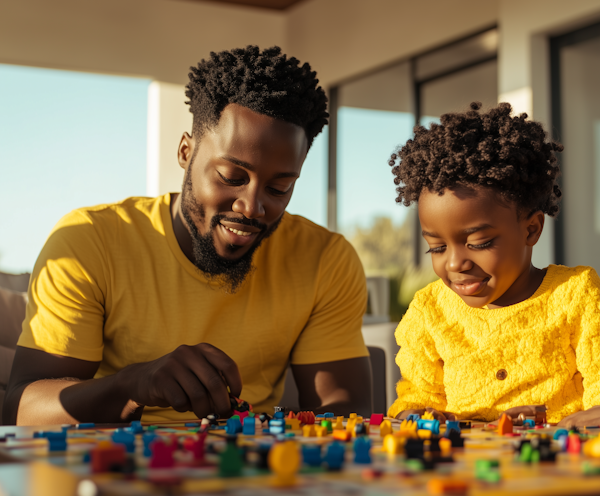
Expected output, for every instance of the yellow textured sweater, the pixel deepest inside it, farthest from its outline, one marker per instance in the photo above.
(476, 363)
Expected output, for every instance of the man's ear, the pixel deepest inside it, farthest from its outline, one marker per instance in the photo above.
(535, 226)
(185, 152)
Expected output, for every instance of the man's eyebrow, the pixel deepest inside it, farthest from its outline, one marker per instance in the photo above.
(251, 168)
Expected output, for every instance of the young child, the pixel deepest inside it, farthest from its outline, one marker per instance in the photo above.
(494, 333)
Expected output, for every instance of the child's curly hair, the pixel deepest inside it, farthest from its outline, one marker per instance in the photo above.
(508, 154)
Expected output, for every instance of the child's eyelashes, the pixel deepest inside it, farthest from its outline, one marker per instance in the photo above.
(482, 246)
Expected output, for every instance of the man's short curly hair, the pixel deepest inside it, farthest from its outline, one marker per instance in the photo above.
(510, 155)
(266, 82)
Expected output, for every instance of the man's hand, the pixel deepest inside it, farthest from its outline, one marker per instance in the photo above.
(585, 418)
(437, 414)
(526, 410)
(191, 378)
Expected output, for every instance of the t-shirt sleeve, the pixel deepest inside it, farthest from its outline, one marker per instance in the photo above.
(422, 383)
(586, 340)
(65, 312)
(334, 329)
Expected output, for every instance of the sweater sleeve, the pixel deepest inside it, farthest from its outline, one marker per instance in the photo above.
(586, 339)
(422, 369)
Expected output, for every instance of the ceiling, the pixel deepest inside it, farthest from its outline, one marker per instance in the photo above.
(267, 4)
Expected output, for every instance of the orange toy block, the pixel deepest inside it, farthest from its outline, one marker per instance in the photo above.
(505, 425)
(342, 435)
(447, 486)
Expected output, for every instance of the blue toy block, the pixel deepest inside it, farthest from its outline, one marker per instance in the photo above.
(148, 438)
(413, 417)
(249, 427)
(362, 447)
(57, 441)
(430, 425)
(121, 436)
(529, 423)
(452, 424)
(89, 425)
(233, 426)
(335, 456)
(136, 427)
(279, 415)
(277, 426)
(191, 424)
(328, 415)
(311, 455)
(560, 432)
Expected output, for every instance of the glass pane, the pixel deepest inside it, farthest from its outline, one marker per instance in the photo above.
(67, 140)
(580, 80)
(309, 198)
(374, 117)
(457, 55)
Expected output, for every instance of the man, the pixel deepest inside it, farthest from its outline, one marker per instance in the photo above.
(169, 305)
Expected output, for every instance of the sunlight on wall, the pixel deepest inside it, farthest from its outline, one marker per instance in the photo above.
(67, 140)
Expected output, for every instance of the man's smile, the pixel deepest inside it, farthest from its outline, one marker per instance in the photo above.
(238, 234)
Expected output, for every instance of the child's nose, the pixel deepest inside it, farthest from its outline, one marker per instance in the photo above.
(458, 261)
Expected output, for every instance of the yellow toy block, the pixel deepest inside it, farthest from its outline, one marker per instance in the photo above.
(408, 428)
(393, 445)
(339, 424)
(385, 428)
(427, 416)
(309, 430)
(424, 434)
(352, 416)
(445, 446)
(351, 424)
(294, 423)
(321, 431)
(592, 448)
(284, 461)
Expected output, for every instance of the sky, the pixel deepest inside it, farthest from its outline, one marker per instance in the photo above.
(72, 139)
(67, 140)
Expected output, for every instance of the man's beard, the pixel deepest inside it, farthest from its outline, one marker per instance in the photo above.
(231, 273)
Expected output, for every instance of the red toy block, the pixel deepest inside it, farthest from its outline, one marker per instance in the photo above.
(106, 456)
(195, 444)
(342, 435)
(242, 415)
(307, 418)
(291, 415)
(376, 419)
(574, 444)
(162, 454)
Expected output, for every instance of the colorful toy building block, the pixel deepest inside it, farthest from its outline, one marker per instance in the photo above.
(249, 427)
(413, 417)
(429, 424)
(327, 425)
(445, 447)
(452, 424)
(361, 429)
(447, 486)
(57, 441)
(339, 424)
(505, 425)
(311, 455)
(277, 426)
(362, 448)
(574, 444)
(376, 419)
(230, 461)
(351, 423)
(195, 445)
(233, 426)
(88, 425)
(106, 457)
(334, 458)
(136, 427)
(147, 439)
(321, 431)
(342, 435)
(385, 428)
(306, 417)
(121, 436)
(292, 424)
(309, 430)
(162, 454)
(560, 432)
(279, 415)
(284, 462)
(428, 416)
(393, 445)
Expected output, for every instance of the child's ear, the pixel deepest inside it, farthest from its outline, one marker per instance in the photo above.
(535, 226)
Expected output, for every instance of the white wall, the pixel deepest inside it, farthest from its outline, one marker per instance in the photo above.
(524, 69)
(159, 39)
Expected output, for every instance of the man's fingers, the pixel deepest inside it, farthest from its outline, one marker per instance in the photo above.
(198, 396)
(225, 365)
(209, 377)
(177, 398)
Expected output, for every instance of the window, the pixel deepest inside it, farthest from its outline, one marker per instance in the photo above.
(67, 140)
(575, 66)
(374, 114)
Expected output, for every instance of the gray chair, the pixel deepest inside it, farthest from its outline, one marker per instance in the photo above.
(377, 355)
(12, 314)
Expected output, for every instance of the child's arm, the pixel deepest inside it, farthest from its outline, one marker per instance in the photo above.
(422, 383)
(586, 342)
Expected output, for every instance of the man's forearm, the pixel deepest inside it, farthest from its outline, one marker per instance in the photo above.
(68, 401)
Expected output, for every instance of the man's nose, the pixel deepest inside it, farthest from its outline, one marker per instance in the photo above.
(250, 204)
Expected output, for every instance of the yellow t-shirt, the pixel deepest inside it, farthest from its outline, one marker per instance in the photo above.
(476, 363)
(112, 285)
